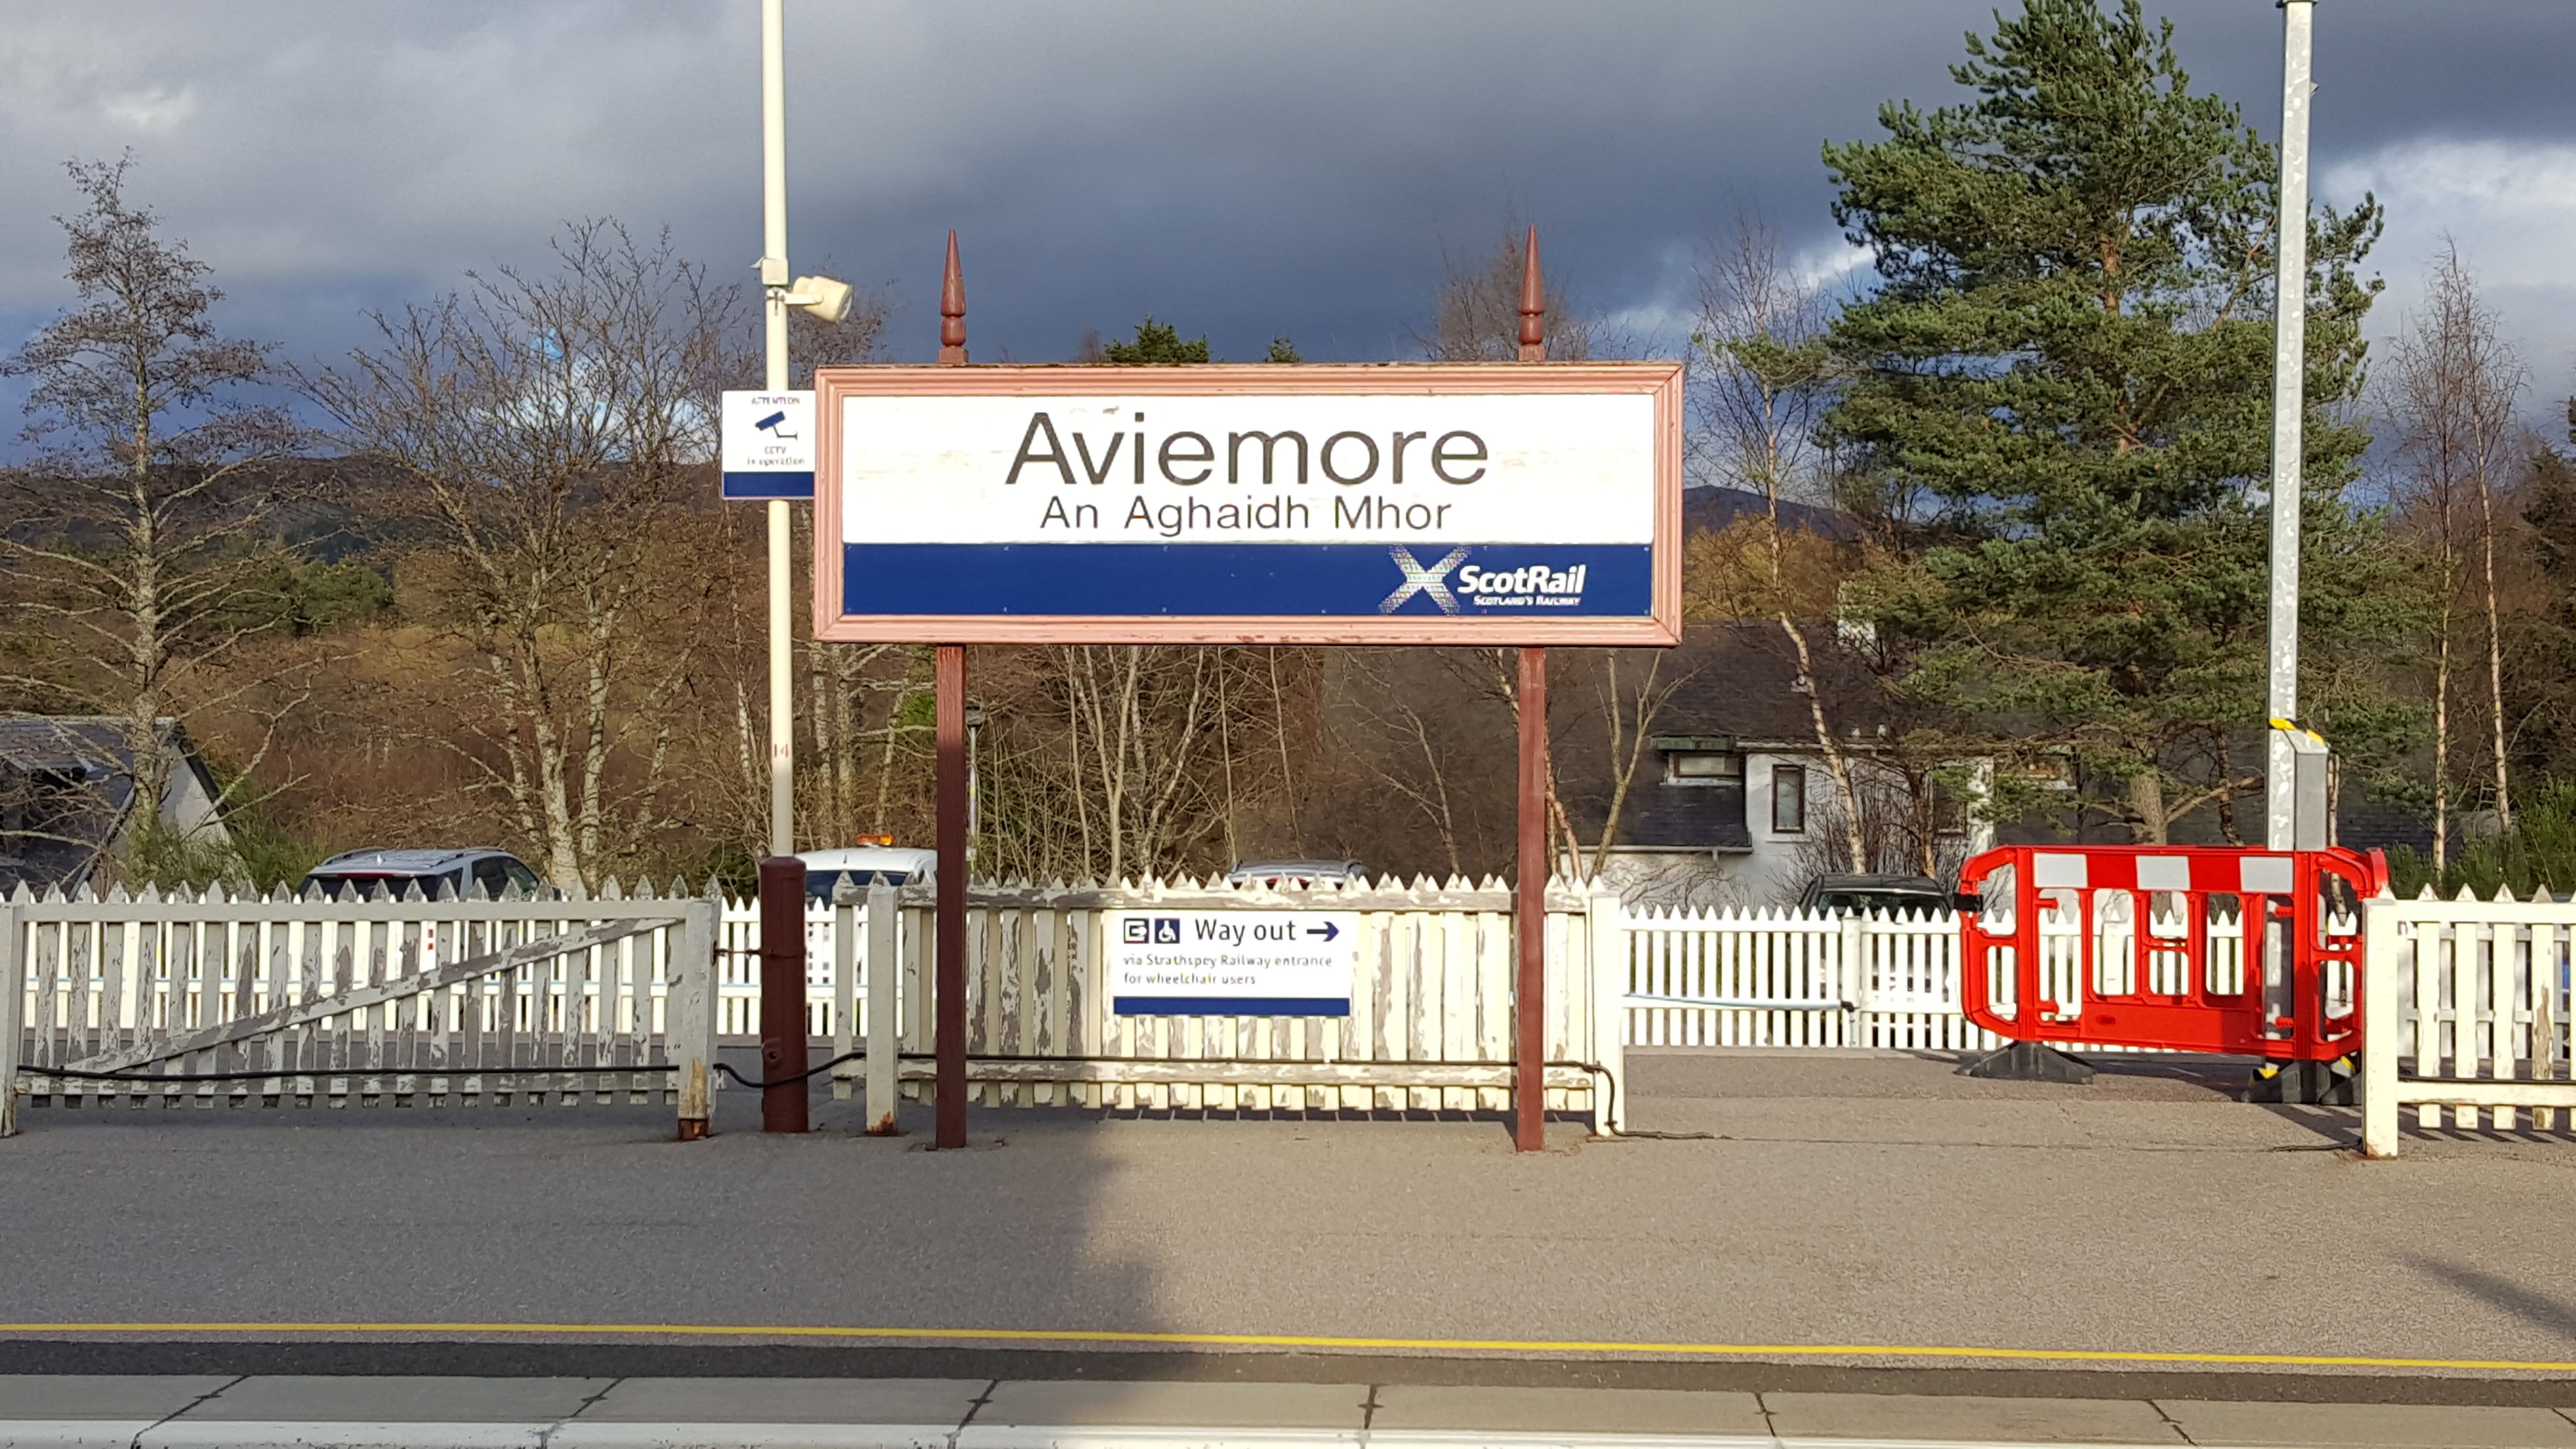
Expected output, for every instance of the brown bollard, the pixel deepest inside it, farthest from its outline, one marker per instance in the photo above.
(782, 993)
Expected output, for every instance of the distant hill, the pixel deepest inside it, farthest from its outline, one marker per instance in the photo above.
(1712, 510)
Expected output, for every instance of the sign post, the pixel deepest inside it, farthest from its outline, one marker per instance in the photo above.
(948, 718)
(1529, 898)
(1499, 505)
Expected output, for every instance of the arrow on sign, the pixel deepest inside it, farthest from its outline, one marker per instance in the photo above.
(1328, 932)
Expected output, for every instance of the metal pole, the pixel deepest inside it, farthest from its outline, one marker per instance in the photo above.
(773, 281)
(948, 688)
(782, 992)
(1529, 896)
(2289, 402)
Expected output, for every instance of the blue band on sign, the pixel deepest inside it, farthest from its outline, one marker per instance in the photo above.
(1504, 581)
(1231, 1006)
(769, 485)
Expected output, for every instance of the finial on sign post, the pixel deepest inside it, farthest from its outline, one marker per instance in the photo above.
(952, 308)
(1533, 304)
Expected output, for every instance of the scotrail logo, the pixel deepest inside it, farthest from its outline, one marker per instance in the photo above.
(1536, 586)
(1420, 580)
(1453, 587)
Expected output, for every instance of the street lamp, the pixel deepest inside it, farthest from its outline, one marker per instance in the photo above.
(820, 297)
(2289, 404)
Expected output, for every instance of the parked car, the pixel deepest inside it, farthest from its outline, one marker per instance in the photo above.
(437, 872)
(1844, 895)
(1296, 874)
(895, 864)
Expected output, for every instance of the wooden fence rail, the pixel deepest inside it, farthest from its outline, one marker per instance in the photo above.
(196, 998)
(1430, 1026)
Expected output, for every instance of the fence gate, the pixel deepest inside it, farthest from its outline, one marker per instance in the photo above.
(195, 999)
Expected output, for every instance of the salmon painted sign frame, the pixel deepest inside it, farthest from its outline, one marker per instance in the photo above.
(1413, 503)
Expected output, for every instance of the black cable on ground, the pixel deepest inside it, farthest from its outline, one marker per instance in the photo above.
(808, 1073)
(1610, 1107)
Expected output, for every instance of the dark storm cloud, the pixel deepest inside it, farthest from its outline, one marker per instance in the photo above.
(1238, 170)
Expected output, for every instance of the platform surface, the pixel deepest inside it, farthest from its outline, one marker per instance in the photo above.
(1837, 1210)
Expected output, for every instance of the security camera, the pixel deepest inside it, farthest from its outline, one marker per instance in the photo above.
(821, 297)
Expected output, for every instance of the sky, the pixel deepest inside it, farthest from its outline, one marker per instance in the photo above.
(1240, 170)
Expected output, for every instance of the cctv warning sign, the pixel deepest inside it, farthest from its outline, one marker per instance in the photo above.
(767, 447)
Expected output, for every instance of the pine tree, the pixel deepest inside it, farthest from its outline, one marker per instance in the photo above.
(2543, 692)
(2069, 360)
(1156, 344)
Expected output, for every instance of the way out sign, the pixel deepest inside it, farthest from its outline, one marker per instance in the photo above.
(1232, 963)
(766, 443)
(1496, 503)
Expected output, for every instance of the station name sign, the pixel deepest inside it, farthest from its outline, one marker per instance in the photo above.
(1433, 504)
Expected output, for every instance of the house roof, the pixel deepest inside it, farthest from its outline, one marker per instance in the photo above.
(66, 789)
(1737, 690)
(1739, 682)
(1661, 816)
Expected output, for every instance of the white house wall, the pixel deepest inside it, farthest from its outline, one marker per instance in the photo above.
(1770, 873)
(1777, 866)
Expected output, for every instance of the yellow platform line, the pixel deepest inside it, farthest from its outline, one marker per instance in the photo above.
(1301, 1340)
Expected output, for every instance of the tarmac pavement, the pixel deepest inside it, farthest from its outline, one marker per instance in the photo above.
(1867, 1211)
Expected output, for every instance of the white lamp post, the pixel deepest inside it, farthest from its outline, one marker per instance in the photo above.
(2289, 403)
(829, 300)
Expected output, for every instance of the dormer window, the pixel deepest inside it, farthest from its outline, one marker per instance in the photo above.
(1701, 762)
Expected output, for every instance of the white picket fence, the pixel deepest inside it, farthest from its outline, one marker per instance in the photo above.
(195, 998)
(1696, 978)
(2465, 1011)
(405, 1001)
(1786, 979)
(1430, 1027)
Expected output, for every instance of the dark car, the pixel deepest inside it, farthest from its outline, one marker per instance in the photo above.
(437, 873)
(1847, 895)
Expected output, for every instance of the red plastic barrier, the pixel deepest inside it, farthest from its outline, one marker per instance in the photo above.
(2190, 948)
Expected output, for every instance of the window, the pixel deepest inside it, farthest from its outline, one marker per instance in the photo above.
(1702, 767)
(1789, 799)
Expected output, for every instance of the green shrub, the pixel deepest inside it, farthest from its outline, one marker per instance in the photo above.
(2538, 853)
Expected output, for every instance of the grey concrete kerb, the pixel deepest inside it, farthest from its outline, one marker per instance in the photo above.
(364, 1412)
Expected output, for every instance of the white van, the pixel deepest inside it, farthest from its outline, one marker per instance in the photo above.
(895, 864)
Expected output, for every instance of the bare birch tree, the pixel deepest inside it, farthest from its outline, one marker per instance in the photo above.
(1477, 317)
(141, 535)
(1628, 714)
(2454, 383)
(1123, 761)
(552, 431)
(1408, 744)
(1765, 377)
